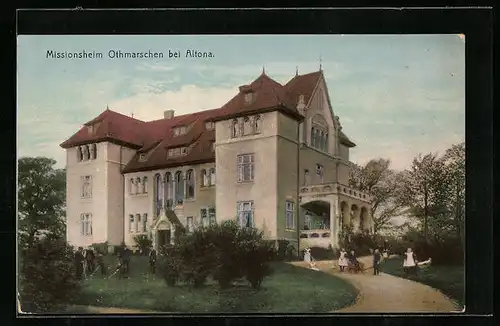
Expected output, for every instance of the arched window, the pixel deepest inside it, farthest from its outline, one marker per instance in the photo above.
(82, 224)
(212, 176)
(179, 187)
(204, 178)
(169, 190)
(145, 223)
(137, 222)
(79, 154)
(257, 124)
(158, 194)
(322, 140)
(131, 186)
(313, 133)
(86, 154)
(247, 126)
(138, 185)
(94, 151)
(190, 184)
(326, 142)
(234, 128)
(145, 185)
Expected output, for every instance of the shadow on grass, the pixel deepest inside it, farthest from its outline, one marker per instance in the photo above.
(448, 279)
(289, 289)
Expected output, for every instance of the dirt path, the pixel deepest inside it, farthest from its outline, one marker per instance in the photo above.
(385, 293)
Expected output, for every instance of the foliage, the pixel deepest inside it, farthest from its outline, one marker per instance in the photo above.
(286, 251)
(101, 247)
(382, 183)
(224, 251)
(362, 243)
(41, 200)
(320, 253)
(47, 277)
(143, 243)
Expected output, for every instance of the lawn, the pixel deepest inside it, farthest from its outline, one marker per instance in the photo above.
(448, 279)
(290, 289)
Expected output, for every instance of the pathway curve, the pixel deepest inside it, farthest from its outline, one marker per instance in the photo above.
(385, 293)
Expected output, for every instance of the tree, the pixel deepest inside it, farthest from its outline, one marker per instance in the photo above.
(382, 183)
(454, 158)
(425, 189)
(143, 243)
(41, 200)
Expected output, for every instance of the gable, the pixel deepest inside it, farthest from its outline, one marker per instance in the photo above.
(319, 106)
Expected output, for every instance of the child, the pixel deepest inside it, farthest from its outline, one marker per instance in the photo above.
(410, 262)
(376, 262)
(342, 260)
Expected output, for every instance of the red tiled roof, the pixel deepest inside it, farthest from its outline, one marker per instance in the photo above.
(155, 137)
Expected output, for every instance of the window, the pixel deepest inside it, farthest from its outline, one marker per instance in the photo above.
(131, 186)
(145, 223)
(212, 176)
(183, 150)
(245, 214)
(319, 171)
(158, 194)
(257, 124)
(213, 146)
(204, 178)
(207, 216)
(234, 128)
(93, 151)
(247, 126)
(86, 224)
(190, 224)
(86, 153)
(248, 97)
(204, 217)
(209, 125)
(145, 185)
(289, 215)
(313, 137)
(173, 152)
(138, 185)
(169, 190)
(190, 184)
(79, 154)
(87, 186)
(245, 168)
(142, 157)
(180, 131)
(179, 187)
(306, 177)
(131, 223)
(211, 215)
(137, 222)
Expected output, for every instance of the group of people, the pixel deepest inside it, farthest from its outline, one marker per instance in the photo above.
(346, 260)
(88, 261)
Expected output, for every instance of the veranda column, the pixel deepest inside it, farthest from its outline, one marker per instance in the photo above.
(333, 221)
(172, 233)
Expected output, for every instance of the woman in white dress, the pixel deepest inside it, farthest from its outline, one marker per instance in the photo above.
(410, 261)
(342, 260)
(309, 259)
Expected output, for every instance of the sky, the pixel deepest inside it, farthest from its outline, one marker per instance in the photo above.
(396, 95)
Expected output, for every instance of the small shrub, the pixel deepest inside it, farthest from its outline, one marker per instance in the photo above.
(47, 278)
(170, 265)
(320, 253)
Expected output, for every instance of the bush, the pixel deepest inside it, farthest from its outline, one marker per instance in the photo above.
(101, 248)
(320, 253)
(445, 251)
(143, 243)
(47, 278)
(286, 251)
(224, 251)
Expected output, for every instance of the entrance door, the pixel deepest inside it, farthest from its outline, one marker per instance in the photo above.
(163, 238)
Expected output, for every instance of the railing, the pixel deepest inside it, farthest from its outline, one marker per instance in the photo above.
(315, 238)
(335, 188)
(316, 233)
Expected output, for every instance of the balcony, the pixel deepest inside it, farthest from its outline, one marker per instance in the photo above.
(315, 238)
(321, 190)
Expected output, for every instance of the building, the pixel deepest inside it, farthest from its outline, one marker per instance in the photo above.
(274, 157)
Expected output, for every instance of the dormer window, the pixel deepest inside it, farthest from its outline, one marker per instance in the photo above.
(178, 131)
(179, 151)
(183, 150)
(249, 96)
(210, 125)
(142, 157)
(90, 129)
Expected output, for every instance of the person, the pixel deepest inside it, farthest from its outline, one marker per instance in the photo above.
(342, 260)
(78, 260)
(376, 262)
(385, 254)
(100, 263)
(354, 260)
(309, 258)
(410, 262)
(152, 261)
(90, 260)
(126, 261)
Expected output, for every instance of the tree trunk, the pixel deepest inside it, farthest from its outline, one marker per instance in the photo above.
(426, 212)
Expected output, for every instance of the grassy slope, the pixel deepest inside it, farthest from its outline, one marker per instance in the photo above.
(448, 279)
(289, 289)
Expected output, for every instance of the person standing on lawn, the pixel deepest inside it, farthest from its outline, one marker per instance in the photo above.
(342, 260)
(79, 258)
(410, 262)
(152, 261)
(377, 257)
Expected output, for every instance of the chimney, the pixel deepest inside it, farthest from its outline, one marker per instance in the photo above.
(169, 114)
